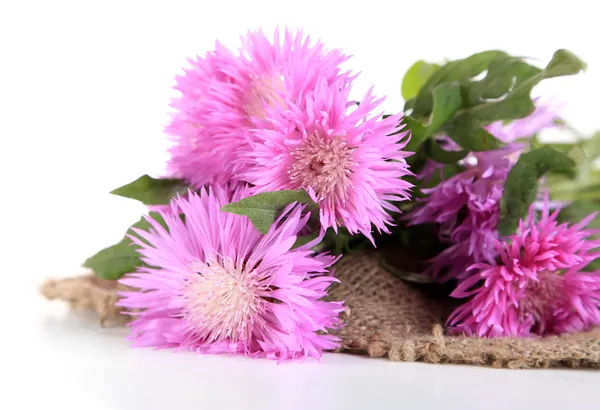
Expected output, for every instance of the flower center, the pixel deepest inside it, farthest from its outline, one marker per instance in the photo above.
(539, 299)
(325, 165)
(265, 90)
(222, 301)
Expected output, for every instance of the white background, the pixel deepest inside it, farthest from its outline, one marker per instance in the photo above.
(84, 93)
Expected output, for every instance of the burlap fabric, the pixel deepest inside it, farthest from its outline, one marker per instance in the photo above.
(385, 318)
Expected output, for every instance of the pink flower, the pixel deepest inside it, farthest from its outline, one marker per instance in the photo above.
(348, 159)
(214, 284)
(223, 93)
(579, 307)
(466, 206)
(537, 287)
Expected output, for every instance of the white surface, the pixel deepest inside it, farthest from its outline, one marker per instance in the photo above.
(84, 89)
(78, 362)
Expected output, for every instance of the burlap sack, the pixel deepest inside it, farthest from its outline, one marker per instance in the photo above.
(385, 318)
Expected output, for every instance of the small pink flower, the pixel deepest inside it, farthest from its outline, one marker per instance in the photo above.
(348, 159)
(537, 287)
(213, 284)
(466, 206)
(223, 93)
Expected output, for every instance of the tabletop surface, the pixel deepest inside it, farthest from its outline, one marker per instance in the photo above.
(71, 362)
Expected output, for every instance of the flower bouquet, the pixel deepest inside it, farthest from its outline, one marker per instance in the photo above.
(297, 218)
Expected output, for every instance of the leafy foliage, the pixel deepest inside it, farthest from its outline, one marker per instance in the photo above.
(439, 154)
(521, 186)
(263, 209)
(113, 262)
(575, 213)
(455, 102)
(446, 102)
(304, 239)
(152, 191)
(579, 210)
(415, 77)
(586, 184)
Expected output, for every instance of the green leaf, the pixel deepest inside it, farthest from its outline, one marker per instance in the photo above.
(571, 190)
(405, 275)
(593, 266)
(504, 93)
(304, 239)
(152, 191)
(578, 211)
(113, 262)
(343, 242)
(578, 155)
(564, 63)
(563, 147)
(521, 186)
(459, 70)
(591, 146)
(415, 77)
(517, 103)
(575, 213)
(446, 102)
(439, 154)
(586, 184)
(470, 135)
(409, 105)
(263, 209)
(418, 131)
(503, 74)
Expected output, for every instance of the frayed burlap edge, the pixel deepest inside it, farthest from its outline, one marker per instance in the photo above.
(384, 318)
(88, 293)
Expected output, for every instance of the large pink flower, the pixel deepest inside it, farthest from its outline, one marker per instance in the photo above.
(213, 284)
(224, 92)
(537, 287)
(348, 159)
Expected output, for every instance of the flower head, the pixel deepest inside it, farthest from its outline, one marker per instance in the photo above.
(537, 286)
(346, 158)
(467, 205)
(214, 284)
(467, 208)
(223, 93)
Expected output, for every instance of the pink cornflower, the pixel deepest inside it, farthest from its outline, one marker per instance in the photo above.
(213, 284)
(537, 286)
(224, 92)
(348, 159)
(466, 206)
